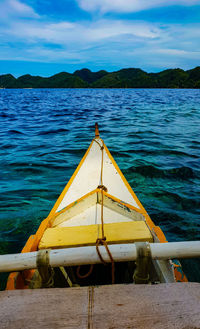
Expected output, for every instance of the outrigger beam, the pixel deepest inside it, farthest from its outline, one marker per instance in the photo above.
(88, 255)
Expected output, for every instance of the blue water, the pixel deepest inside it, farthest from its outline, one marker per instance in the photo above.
(154, 136)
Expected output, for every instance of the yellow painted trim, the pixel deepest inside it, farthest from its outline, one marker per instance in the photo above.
(159, 233)
(124, 203)
(29, 244)
(61, 197)
(42, 228)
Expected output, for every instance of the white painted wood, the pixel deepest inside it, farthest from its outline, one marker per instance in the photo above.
(88, 212)
(75, 210)
(88, 178)
(92, 216)
(88, 255)
(121, 209)
(114, 183)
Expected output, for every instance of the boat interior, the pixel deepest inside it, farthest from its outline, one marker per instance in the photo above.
(80, 224)
(97, 208)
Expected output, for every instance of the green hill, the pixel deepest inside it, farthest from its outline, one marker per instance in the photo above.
(125, 78)
(89, 76)
(7, 81)
(175, 78)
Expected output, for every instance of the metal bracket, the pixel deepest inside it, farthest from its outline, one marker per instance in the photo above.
(45, 271)
(141, 274)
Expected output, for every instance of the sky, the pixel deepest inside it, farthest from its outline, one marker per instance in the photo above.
(44, 37)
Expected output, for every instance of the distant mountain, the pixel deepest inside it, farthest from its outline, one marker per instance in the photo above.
(7, 81)
(89, 76)
(173, 78)
(125, 78)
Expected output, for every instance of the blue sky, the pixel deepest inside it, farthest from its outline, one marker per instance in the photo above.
(44, 37)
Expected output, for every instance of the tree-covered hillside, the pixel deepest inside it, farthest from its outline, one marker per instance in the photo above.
(125, 78)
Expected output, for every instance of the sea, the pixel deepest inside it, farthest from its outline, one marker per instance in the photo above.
(153, 134)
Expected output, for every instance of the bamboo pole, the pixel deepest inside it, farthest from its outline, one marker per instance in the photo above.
(88, 255)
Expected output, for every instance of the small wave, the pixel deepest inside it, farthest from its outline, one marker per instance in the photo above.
(64, 151)
(195, 142)
(17, 132)
(5, 115)
(170, 223)
(120, 154)
(36, 168)
(9, 203)
(16, 194)
(142, 132)
(58, 115)
(152, 171)
(7, 146)
(51, 131)
(185, 203)
(19, 164)
(158, 102)
(165, 152)
(29, 170)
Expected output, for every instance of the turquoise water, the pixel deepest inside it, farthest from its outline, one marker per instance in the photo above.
(154, 136)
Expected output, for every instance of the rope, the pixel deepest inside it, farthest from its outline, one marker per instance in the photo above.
(80, 276)
(101, 148)
(45, 271)
(102, 240)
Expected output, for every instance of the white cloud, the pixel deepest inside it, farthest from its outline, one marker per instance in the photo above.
(125, 6)
(66, 33)
(113, 43)
(179, 53)
(15, 8)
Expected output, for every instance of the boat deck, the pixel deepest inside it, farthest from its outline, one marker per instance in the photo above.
(130, 306)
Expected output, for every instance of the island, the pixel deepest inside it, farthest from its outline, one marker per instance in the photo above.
(124, 78)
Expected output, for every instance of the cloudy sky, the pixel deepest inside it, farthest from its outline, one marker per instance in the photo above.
(45, 37)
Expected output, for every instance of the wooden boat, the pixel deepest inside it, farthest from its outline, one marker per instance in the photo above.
(94, 222)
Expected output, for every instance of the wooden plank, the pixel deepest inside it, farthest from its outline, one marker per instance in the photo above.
(127, 232)
(44, 308)
(163, 306)
(123, 232)
(167, 306)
